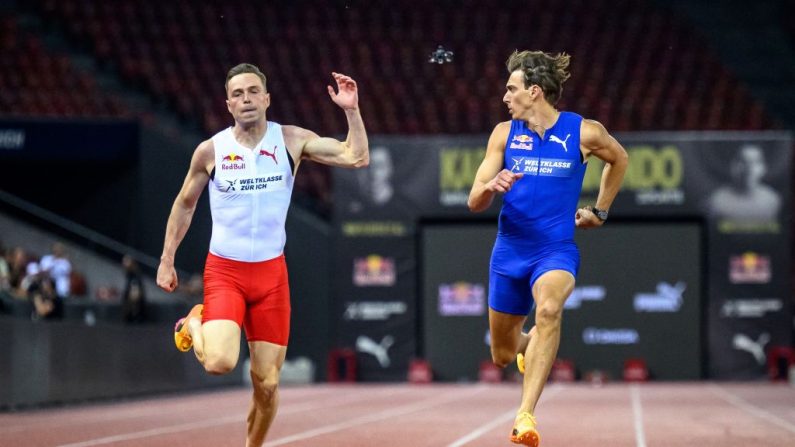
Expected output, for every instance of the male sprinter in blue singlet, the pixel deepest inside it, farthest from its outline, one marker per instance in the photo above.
(248, 170)
(538, 161)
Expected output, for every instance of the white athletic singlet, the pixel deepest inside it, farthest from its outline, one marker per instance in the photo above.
(249, 196)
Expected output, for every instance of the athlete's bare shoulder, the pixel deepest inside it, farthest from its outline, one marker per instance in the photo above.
(503, 127)
(591, 130)
(204, 155)
(499, 136)
(295, 138)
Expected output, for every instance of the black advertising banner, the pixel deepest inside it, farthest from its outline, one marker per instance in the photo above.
(739, 184)
(411, 177)
(674, 174)
(670, 175)
(74, 141)
(749, 221)
(735, 185)
(455, 280)
(623, 306)
(374, 298)
(639, 294)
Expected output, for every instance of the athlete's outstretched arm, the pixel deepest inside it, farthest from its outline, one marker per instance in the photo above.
(597, 142)
(182, 213)
(490, 179)
(351, 153)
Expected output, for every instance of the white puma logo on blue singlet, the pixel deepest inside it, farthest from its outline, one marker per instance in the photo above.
(555, 139)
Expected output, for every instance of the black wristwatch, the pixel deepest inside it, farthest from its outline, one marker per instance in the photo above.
(600, 214)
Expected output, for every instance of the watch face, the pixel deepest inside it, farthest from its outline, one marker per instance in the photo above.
(601, 215)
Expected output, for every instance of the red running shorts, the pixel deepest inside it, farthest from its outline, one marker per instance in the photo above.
(255, 295)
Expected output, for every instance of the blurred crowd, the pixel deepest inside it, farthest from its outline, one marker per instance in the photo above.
(47, 282)
(44, 281)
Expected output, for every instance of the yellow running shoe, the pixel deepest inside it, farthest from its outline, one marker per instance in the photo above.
(182, 337)
(520, 362)
(524, 430)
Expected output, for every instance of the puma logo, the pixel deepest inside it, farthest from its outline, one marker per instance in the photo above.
(667, 299)
(555, 139)
(270, 154)
(378, 350)
(756, 348)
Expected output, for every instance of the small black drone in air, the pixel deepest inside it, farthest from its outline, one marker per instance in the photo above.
(440, 56)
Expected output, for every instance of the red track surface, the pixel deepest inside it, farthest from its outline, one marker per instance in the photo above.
(647, 415)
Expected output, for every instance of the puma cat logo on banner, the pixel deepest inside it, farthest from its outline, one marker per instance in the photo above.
(378, 350)
(756, 348)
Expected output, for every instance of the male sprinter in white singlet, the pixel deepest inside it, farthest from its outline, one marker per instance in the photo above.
(249, 168)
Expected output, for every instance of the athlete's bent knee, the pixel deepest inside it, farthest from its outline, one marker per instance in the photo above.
(501, 357)
(219, 365)
(549, 314)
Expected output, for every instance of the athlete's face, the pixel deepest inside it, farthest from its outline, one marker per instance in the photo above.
(247, 99)
(518, 98)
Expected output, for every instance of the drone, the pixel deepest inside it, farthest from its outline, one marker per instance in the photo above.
(440, 56)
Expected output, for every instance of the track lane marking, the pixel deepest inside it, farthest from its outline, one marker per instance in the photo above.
(637, 415)
(214, 422)
(748, 407)
(501, 419)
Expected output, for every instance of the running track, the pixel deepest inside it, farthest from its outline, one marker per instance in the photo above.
(703, 414)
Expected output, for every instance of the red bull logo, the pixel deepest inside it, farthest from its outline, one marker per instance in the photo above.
(750, 268)
(230, 162)
(232, 157)
(522, 138)
(462, 298)
(374, 270)
(523, 142)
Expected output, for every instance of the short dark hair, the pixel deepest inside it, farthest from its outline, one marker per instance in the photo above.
(545, 70)
(244, 68)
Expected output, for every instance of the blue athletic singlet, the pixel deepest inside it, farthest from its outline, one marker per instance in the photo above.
(536, 225)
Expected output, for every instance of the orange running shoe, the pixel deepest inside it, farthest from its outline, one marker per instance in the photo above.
(524, 430)
(182, 337)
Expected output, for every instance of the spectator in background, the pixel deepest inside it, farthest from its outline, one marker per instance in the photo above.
(5, 272)
(59, 268)
(17, 265)
(133, 301)
(33, 275)
(47, 305)
(194, 288)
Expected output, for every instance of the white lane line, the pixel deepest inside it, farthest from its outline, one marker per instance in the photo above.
(113, 411)
(480, 431)
(214, 422)
(398, 411)
(744, 405)
(637, 416)
(499, 420)
(90, 416)
(159, 431)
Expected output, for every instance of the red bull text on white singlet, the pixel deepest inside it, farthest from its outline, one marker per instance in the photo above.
(249, 196)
